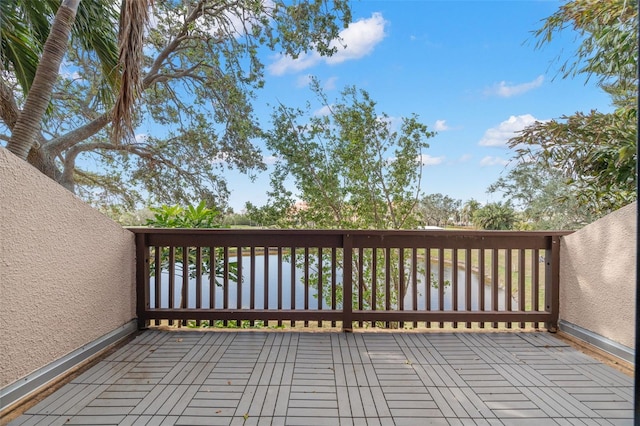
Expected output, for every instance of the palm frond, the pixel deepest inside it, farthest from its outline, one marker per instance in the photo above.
(134, 16)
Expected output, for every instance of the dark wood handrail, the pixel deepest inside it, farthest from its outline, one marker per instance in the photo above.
(363, 276)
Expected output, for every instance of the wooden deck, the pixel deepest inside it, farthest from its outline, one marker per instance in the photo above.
(333, 378)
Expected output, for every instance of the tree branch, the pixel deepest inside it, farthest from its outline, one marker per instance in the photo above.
(135, 149)
(180, 73)
(78, 135)
(196, 12)
(8, 107)
(328, 198)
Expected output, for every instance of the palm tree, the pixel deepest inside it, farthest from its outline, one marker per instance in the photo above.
(38, 86)
(25, 26)
(495, 216)
(469, 208)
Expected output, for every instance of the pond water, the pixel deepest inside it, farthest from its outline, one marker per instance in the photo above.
(299, 290)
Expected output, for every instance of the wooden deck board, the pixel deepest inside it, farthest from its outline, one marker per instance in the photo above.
(289, 378)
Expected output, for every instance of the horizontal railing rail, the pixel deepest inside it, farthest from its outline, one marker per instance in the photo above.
(389, 279)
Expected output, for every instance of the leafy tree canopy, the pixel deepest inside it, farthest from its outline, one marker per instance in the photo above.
(201, 68)
(352, 167)
(495, 217)
(595, 152)
(439, 209)
(542, 197)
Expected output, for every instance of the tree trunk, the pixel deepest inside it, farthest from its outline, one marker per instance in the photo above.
(28, 125)
(42, 160)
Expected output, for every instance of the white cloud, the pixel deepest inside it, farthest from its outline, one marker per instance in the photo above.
(441, 126)
(303, 80)
(465, 158)
(270, 159)
(325, 110)
(493, 161)
(506, 90)
(356, 41)
(286, 64)
(500, 135)
(428, 160)
(330, 84)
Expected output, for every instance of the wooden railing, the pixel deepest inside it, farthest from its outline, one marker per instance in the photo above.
(342, 278)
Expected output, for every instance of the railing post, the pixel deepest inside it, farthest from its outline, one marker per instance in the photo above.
(552, 282)
(347, 283)
(142, 280)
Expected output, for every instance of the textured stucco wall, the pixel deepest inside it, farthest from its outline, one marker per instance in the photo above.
(67, 272)
(597, 276)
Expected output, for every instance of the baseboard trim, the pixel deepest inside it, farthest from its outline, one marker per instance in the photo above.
(600, 342)
(20, 389)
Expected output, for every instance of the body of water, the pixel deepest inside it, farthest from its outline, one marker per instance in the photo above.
(298, 290)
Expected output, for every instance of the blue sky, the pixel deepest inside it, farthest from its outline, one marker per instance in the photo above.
(469, 69)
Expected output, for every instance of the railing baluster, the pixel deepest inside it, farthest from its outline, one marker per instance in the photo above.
(198, 281)
(239, 282)
(306, 282)
(414, 281)
(535, 283)
(441, 282)
(184, 302)
(265, 294)
(468, 267)
(495, 283)
(374, 282)
(347, 282)
(360, 281)
(482, 282)
(454, 285)
(279, 283)
(521, 284)
(172, 279)
(320, 295)
(334, 281)
(225, 281)
(427, 282)
(252, 281)
(387, 282)
(508, 293)
(212, 284)
(293, 282)
(157, 259)
(400, 291)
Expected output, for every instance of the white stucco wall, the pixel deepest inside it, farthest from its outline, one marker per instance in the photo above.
(67, 273)
(598, 276)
